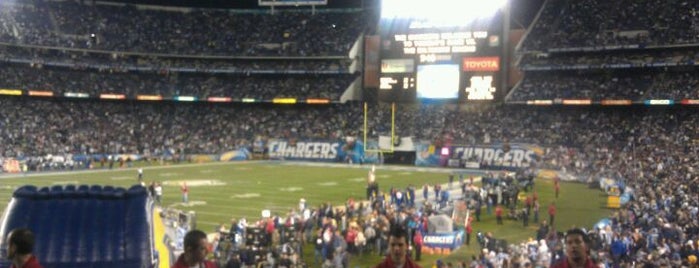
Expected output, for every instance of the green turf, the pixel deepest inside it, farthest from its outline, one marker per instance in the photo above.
(245, 189)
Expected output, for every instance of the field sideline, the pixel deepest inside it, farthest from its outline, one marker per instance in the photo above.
(225, 190)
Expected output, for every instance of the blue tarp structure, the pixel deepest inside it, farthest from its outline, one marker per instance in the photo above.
(84, 226)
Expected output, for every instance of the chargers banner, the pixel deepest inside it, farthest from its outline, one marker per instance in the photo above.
(237, 155)
(452, 240)
(319, 150)
(488, 156)
(303, 150)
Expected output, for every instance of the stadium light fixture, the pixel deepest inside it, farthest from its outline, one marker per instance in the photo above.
(441, 12)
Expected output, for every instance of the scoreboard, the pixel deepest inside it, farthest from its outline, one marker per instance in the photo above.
(419, 61)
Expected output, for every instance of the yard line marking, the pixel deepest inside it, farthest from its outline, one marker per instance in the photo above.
(64, 182)
(189, 204)
(246, 195)
(122, 178)
(194, 183)
(291, 189)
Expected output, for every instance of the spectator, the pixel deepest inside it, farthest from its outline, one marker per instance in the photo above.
(417, 244)
(552, 213)
(20, 245)
(577, 251)
(398, 251)
(196, 249)
(158, 190)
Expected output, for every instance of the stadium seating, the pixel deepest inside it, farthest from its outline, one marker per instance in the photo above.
(99, 49)
(184, 31)
(612, 24)
(200, 85)
(581, 50)
(82, 226)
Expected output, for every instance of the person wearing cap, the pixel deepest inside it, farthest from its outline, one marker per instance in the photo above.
(398, 251)
(20, 245)
(577, 251)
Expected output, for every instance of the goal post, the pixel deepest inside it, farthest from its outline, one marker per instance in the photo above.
(366, 130)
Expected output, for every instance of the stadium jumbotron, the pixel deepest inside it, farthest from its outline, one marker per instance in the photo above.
(304, 133)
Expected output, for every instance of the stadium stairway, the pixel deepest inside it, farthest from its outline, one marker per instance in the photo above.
(159, 239)
(84, 226)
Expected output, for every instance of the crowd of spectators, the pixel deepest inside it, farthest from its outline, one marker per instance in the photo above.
(609, 59)
(201, 85)
(609, 84)
(111, 49)
(601, 50)
(186, 32)
(40, 127)
(156, 122)
(119, 62)
(653, 150)
(598, 23)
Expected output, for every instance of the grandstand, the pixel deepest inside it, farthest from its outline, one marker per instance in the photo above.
(638, 57)
(605, 94)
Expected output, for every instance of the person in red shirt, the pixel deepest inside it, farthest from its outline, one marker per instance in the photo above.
(552, 213)
(185, 193)
(498, 214)
(528, 202)
(20, 245)
(195, 251)
(557, 188)
(577, 251)
(398, 251)
(351, 238)
(469, 230)
(417, 242)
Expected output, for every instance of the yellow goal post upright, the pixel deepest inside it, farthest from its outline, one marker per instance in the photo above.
(366, 130)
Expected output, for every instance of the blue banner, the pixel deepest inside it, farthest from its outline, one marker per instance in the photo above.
(237, 155)
(303, 150)
(319, 150)
(451, 240)
(487, 156)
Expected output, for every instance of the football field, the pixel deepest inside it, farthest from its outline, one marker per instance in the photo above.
(221, 191)
(225, 190)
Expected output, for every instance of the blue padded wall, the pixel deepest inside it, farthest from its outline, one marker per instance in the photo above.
(84, 226)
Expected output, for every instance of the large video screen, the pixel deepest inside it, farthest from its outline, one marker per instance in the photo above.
(422, 61)
(438, 81)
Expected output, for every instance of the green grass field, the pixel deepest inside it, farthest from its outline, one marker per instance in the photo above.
(221, 191)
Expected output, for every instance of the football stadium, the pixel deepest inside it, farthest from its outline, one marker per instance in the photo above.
(349, 133)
